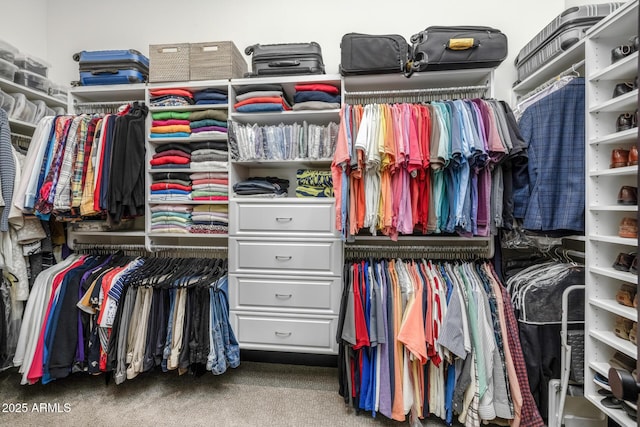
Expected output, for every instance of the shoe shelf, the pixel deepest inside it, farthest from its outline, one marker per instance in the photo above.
(626, 241)
(609, 338)
(615, 274)
(622, 103)
(615, 307)
(625, 68)
(614, 208)
(623, 171)
(628, 136)
(618, 415)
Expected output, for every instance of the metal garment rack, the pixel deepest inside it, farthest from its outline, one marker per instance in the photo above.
(101, 107)
(158, 251)
(415, 95)
(459, 249)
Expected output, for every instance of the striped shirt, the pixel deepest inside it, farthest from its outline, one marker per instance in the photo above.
(7, 168)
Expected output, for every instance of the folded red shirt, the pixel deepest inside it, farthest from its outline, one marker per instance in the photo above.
(169, 186)
(179, 92)
(177, 153)
(318, 86)
(178, 160)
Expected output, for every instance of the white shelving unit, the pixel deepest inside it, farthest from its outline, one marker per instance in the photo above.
(177, 240)
(285, 257)
(603, 183)
(94, 99)
(22, 127)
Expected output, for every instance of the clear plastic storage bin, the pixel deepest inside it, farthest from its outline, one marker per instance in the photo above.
(24, 110)
(7, 70)
(41, 110)
(7, 102)
(7, 51)
(58, 91)
(32, 80)
(31, 63)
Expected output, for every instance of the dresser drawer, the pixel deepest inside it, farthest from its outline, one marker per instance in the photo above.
(309, 257)
(291, 218)
(283, 294)
(285, 333)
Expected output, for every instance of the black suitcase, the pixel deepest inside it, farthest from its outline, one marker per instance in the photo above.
(286, 59)
(458, 47)
(373, 54)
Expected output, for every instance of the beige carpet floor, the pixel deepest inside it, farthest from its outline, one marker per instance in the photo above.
(254, 394)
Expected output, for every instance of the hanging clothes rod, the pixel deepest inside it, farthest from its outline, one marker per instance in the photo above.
(457, 249)
(573, 70)
(190, 248)
(105, 104)
(423, 91)
(19, 135)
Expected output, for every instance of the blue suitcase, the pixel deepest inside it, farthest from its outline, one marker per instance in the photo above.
(109, 67)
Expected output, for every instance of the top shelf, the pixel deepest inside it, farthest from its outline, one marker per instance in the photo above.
(109, 93)
(623, 20)
(9, 86)
(426, 80)
(551, 69)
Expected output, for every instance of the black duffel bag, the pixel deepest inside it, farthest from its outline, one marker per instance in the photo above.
(451, 48)
(372, 54)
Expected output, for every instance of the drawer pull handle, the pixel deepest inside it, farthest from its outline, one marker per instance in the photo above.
(284, 296)
(283, 258)
(283, 334)
(284, 219)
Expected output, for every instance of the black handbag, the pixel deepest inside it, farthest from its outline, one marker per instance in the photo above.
(451, 48)
(372, 54)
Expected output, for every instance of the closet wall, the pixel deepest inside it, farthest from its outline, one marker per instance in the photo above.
(25, 26)
(120, 24)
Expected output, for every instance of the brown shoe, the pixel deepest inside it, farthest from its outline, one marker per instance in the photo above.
(619, 158)
(633, 156)
(623, 327)
(628, 228)
(626, 294)
(628, 195)
(633, 333)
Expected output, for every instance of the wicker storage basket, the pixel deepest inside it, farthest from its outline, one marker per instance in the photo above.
(216, 61)
(169, 62)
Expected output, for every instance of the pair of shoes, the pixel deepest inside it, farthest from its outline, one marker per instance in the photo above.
(625, 50)
(626, 294)
(623, 327)
(628, 195)
(622, 88)
(626, 121)
(633, 333)
(621, 157)
(628, 228)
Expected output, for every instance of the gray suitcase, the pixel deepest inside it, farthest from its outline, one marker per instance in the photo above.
(585, 15)
(553, 48)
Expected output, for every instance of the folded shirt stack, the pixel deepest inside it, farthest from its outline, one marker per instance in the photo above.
(314, 183)
(261, 98)
(317, 96)
(209, 186)
(170, 186)
(208, 123)
(172, 156)
(209, 156)
(261, 187)
(171, 218)
(210, 219)
(211, 96)
(170, 97)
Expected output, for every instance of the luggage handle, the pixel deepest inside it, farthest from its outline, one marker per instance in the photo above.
(104, 71)
(293, 63)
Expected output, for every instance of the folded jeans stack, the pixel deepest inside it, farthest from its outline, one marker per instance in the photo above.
(314, 183)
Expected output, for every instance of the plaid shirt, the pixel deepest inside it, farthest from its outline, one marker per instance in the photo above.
(554, 129)
(529, 413)
(79, 166)
(60, 194)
